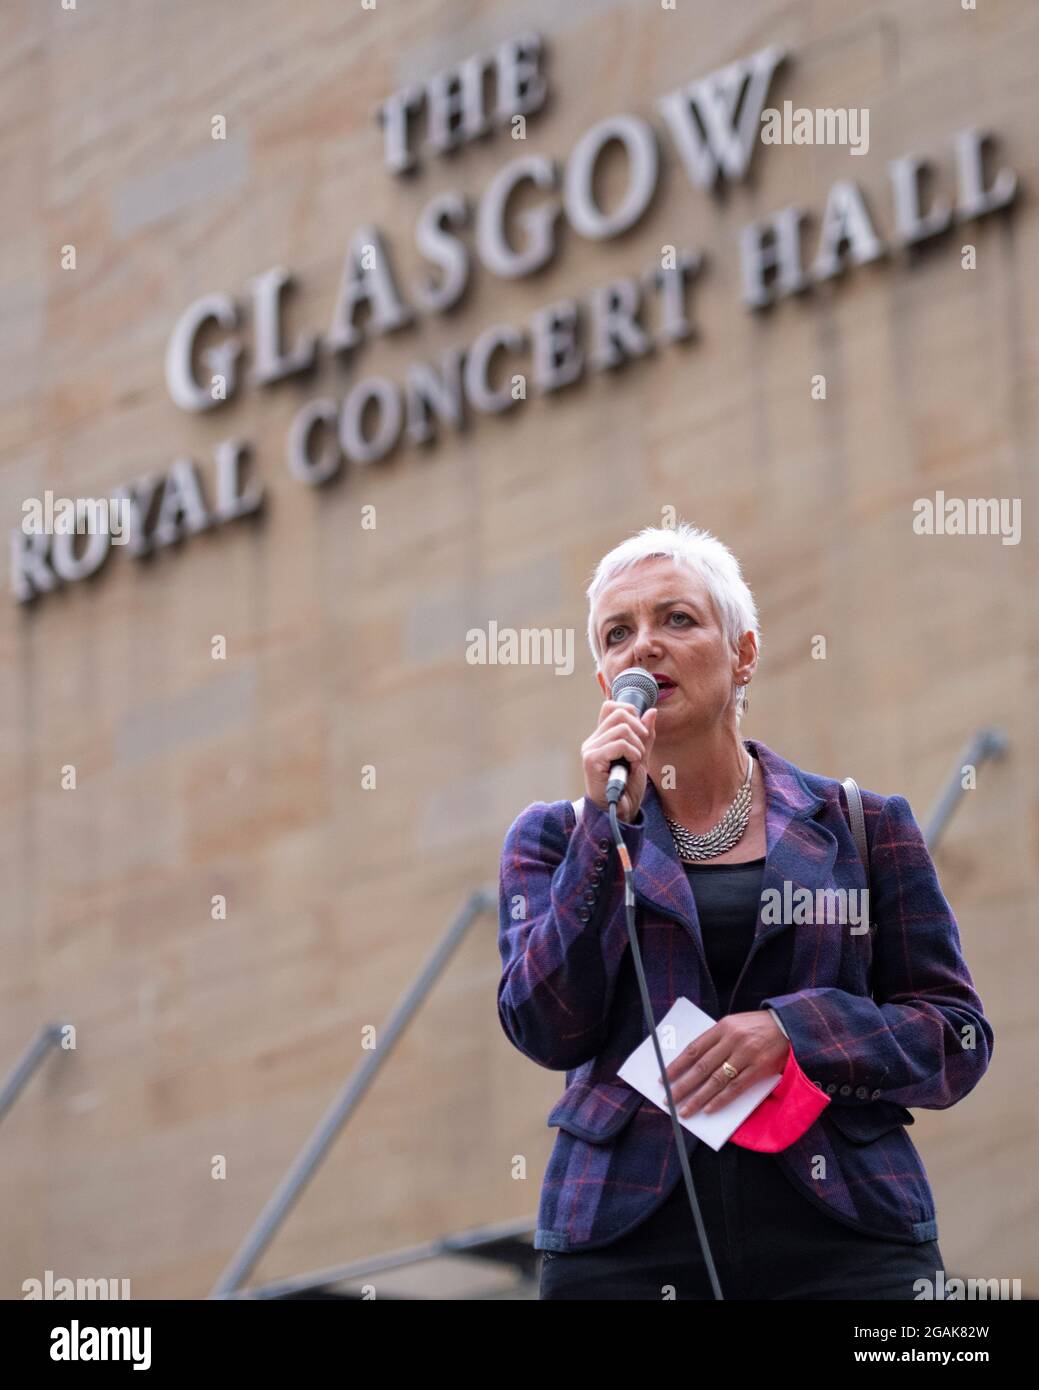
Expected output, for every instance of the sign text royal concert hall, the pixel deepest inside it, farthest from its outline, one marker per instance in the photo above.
(227, 344)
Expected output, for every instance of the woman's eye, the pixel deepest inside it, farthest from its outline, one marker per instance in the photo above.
(687, 617)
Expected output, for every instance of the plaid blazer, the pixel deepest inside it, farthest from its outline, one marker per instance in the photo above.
(879, 1020)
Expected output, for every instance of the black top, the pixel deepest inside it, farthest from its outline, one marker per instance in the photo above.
(728, 898)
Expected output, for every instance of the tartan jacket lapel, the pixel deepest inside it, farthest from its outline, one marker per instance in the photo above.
(799, 850)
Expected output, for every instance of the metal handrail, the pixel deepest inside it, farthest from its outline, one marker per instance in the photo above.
(18, 1077)
(468, 1242)
(302, 1170)
(986, 743)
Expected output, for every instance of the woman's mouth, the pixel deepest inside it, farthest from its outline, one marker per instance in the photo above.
(665, 688)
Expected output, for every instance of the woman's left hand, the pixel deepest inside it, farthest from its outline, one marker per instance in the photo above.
(752, 1042)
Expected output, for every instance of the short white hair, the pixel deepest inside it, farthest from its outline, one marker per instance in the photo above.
(705, 556)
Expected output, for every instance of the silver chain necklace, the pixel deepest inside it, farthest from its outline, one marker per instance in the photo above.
(728, 831)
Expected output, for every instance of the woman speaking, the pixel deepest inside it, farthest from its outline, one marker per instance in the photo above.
(877, 1019)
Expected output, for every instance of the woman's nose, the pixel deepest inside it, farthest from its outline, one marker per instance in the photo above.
(645, 647)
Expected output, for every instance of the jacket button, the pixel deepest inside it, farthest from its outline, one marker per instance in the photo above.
(600, 863)
(583, 914)
(831, 1088)
(875, 1096)
(589, 897)
(604, 844)
(845, 1090)
(818, 1083)
(861, 1092)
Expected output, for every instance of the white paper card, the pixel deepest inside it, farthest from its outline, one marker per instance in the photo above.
(642, 1071)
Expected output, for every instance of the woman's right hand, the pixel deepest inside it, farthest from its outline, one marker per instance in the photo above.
(620, 733)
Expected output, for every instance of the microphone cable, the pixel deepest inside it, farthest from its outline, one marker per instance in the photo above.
(647, 1009)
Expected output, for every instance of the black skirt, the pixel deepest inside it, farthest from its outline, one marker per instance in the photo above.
(768, 1240)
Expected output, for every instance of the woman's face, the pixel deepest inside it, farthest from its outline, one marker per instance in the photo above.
(660, 616)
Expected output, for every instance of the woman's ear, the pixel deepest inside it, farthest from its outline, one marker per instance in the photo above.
(747, 658)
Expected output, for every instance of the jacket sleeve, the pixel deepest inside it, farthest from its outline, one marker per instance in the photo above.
(922, 1040)
(562, 931)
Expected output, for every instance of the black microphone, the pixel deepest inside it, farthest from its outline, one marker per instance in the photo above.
(637, 688)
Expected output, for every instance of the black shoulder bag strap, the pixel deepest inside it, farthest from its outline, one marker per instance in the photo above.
(857, 818)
